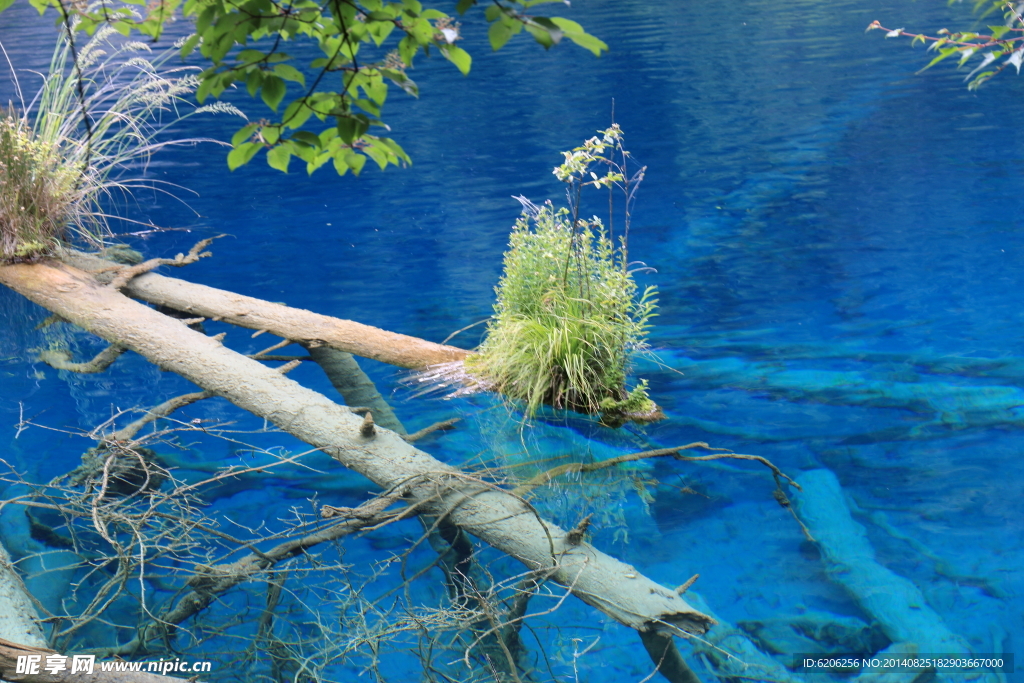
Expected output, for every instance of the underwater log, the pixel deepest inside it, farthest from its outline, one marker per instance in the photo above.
(893, 600)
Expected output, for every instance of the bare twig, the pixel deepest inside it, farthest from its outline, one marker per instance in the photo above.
(126, 275)
(61, 360)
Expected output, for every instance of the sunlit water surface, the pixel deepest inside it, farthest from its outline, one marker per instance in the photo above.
(839, 247)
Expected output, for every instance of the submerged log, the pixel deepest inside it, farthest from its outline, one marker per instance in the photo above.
(504, 521)
(899, 606)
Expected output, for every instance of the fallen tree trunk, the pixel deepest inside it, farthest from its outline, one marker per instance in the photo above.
(305, 327)
(17, 614)
(504, 521)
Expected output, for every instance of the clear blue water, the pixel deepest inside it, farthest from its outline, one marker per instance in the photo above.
(839, 248)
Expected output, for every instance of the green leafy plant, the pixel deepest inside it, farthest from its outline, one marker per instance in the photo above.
(101, 109)
(325, 106)
(568, 313)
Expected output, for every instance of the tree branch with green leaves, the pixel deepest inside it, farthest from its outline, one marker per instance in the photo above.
(326, 106)
(1001, 46)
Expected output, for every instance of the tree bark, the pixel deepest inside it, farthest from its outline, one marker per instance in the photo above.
(305, 327)
(504, 521)
(17, 614)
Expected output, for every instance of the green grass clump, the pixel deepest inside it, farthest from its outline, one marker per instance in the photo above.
(566, 320)
(36, 191)
(104, 107)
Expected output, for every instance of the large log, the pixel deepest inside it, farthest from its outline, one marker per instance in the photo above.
(17, 615)
(305, 327)
(495, 516)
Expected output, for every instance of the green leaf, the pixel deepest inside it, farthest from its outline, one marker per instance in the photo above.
(307, 138)
(542, 35)
(493, 12)
(271, 134)
(380, 30)
(551, 27)
(499, 34)
(367, 106)
(253, 81)
(206, 18)
(4, 4)
(241, 155)
(296, 114)
(350, 128)
(249, 57)
(459, 57)
(187, 47)
(407, 48)
(206, 84)
(243, 134)
(461, 7)
(375, 88)
(339, 163)
(402, 81)
(273, 90)
(290, 73)
(567, 25)
(943, 53)
(278, 157)
(355, 161)
(378, 154)
(999, 31)
(588, 42)
(396, 148)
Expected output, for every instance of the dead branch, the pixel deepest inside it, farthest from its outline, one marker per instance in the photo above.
(163, 410)
(211, 581)
(667, 660)
(61, 360)
(584, 467)
(442, 426)
(125, 274)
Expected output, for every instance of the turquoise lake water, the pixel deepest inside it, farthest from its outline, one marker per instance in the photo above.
(839, 247)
